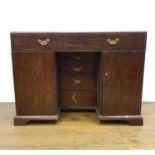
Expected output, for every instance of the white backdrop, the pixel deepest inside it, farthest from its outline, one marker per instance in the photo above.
(75, 16)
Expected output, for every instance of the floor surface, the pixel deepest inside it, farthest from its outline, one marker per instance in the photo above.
(76, 130)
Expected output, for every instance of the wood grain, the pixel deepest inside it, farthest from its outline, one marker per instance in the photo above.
(122, 82)
(82, 98)
(79, 131)
(78, 41)
(34, 79)
(43, 71)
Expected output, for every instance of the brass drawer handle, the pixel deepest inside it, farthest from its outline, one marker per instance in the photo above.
(77, 58)
(43, 42)
(74, 99)
(77, 69)
(76, 81)
(113, 41)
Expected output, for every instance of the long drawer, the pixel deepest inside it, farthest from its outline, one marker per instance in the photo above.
(77, 41)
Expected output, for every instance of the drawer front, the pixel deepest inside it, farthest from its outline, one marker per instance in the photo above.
(77, 68)
(78, 98)
(67, 58)
(124, 42)
(56, 42)
(31, 41)
(77, 63)
(78, 82)
(77, 41)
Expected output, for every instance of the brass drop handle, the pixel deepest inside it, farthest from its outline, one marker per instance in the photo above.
(77, 81)
(77, 69)
(113, 41)
(74, 99)
(43, 42)
(76, 58)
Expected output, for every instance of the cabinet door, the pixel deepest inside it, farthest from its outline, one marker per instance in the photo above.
(122, 82)
(35, 85)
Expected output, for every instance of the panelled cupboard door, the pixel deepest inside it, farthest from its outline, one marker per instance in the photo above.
(35, 86)
(122, 82)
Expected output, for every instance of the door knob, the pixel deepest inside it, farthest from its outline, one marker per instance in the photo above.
(106, 74)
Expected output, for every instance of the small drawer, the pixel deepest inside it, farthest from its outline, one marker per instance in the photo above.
(78, 98)
(76, 57)
(77, 68)
(78, 82)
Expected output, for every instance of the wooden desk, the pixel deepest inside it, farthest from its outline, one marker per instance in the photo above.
(78, 71)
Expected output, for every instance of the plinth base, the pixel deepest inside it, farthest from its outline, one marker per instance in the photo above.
(132, 119)
(24, 120)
